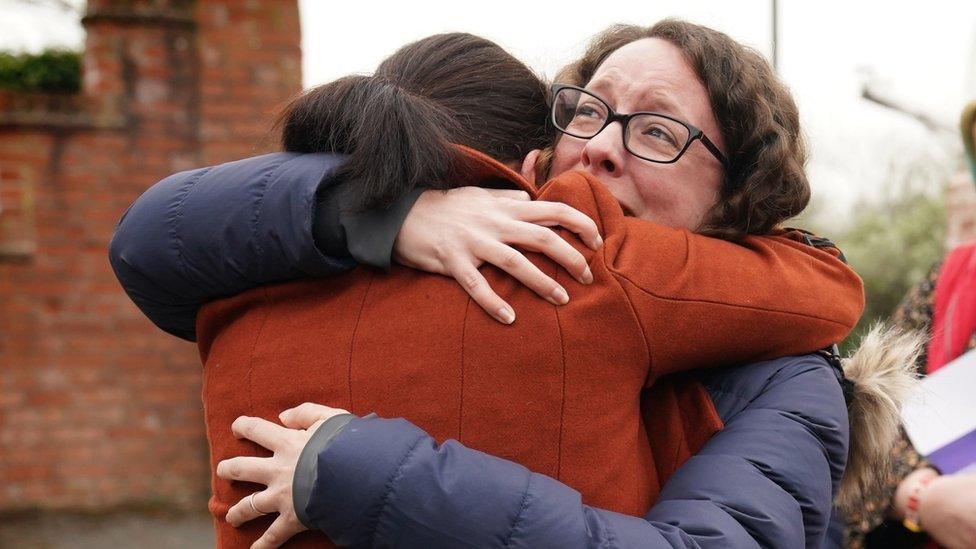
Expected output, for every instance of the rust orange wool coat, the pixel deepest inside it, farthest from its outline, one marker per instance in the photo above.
(559, 390)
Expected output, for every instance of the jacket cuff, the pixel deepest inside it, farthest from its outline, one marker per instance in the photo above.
(330, 237)
(291, 195)
(305, 470)
(353, 476)
(370, 235)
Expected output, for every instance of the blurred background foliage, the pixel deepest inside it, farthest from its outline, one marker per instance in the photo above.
(52, 70)
(894, 240)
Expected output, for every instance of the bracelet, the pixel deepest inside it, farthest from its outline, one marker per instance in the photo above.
(912, 521)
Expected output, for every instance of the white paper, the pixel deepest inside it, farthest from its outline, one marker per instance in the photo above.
(946, 407)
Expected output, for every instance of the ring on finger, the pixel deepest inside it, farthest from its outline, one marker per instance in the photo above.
(250, 500)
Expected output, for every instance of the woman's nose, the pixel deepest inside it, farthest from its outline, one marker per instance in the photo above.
(604, 152)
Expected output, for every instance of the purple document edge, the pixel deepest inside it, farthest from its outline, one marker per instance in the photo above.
(957, 455)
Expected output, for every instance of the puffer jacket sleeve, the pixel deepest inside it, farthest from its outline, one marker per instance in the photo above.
(766, 480)
(212, 232)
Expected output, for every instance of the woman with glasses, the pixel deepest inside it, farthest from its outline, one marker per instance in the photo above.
(655, 138)
(651, 136)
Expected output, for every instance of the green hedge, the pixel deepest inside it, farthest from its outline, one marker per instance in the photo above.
(892, 245)
(49, 71)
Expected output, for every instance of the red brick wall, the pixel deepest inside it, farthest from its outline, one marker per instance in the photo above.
(17, 223)
(97, 407)
(250, 63)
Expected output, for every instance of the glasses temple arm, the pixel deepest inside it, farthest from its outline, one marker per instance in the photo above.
(714, 150)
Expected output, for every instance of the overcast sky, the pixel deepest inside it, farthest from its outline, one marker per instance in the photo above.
(921, 54)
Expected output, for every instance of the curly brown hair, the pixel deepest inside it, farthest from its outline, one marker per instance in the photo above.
(765, 182)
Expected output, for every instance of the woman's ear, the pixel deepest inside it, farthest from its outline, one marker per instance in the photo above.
(528, 165)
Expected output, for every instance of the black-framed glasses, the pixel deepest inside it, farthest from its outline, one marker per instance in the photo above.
(650, 136)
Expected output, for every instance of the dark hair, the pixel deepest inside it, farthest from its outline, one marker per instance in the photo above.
(765, 182)
(397, 126)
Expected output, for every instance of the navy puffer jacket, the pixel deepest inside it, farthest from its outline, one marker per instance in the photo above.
(766, 480)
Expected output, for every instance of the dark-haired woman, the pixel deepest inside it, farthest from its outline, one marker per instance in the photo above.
(802, 389)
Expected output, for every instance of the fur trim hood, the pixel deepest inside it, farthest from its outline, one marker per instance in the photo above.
(884, 374)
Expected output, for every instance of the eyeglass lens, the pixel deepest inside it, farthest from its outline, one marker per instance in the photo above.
(650, 136)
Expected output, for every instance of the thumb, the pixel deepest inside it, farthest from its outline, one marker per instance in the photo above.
(304, 415)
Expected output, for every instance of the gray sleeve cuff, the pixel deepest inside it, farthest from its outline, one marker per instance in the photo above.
(327, 232)
(306, 471)
(370, 235)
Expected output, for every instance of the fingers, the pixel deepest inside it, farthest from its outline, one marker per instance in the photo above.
(509, 193)
(307, 413)
(247, 468)
(477, 287)
(280, 531)
(242, 511)
(477, 225)
(546, 241)
(557, 213)
(514, 263)
(259, 430)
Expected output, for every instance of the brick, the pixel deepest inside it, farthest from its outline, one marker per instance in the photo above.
(97, 406)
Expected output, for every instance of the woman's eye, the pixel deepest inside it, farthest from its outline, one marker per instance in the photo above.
(588, 111)
(659, 132)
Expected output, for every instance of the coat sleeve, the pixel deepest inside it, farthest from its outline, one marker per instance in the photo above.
(706, 302)
(763, 297)
(765, 480)
(209, 233)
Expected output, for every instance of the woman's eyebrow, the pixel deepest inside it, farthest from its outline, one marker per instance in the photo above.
(603, 85)
(662, 100)
(666, 102)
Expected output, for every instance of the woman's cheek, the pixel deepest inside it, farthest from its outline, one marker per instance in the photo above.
(679, 202)
(566, 155)
(662, 204)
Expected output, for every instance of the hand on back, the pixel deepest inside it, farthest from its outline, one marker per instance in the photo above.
(456, 231)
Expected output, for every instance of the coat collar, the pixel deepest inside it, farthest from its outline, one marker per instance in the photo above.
(480, 168)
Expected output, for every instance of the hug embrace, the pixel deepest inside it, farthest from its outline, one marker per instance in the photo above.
(634, 351)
